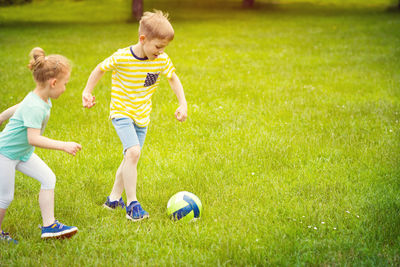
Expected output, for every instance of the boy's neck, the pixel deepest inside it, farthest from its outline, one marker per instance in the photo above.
(138, 50)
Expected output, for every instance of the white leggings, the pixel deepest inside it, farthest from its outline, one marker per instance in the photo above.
(34, 167)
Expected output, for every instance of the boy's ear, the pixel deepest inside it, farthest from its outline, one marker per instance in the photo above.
(142, 38)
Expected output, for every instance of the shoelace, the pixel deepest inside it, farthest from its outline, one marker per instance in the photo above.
(60, 225)
(6, 236)
(136, 206)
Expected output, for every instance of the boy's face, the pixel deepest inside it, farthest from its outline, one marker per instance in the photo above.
(154, 47)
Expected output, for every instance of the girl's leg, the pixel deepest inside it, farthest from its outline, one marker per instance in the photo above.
(46, 203)
(37, 169)
(7, 181)
(2, 214)
(118, 187)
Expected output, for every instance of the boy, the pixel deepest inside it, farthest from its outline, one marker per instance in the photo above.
(135, 78)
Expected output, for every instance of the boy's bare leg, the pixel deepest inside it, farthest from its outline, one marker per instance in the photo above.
(118, 187)
(46, 203)
(129, 172)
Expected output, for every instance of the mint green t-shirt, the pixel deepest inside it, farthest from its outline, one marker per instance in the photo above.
(32, 112)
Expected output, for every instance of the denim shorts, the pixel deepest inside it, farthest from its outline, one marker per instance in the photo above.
(129, 133)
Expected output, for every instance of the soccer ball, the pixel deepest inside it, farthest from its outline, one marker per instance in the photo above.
(184, 206)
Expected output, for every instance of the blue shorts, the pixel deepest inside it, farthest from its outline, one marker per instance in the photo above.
(129, 133)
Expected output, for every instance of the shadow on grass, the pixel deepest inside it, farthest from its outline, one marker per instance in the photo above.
(202, 11)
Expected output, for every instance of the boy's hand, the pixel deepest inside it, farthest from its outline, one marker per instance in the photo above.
(71, 147)
(181, 113)
(88, 100)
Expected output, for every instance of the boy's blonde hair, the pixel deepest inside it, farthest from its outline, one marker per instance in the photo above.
(156, 25)
(46, 67)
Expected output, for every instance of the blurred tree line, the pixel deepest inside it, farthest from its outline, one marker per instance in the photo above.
(13, 2)
(137, 5)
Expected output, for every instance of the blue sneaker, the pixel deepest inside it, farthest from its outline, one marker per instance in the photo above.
(5, 237)
(135, 212)
(58, 230)
(112, 205)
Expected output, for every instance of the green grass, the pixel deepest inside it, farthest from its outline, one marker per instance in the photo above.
(294, 113)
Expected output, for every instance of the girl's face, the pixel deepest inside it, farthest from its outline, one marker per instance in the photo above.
(58, 85)
(154, 47)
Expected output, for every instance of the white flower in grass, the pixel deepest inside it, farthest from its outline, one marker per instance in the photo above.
(315, 228)
(334, 228)
(309, 87)
(348, 211)
(322, 222)
(357, 216)
(252, 173)
(309, 226)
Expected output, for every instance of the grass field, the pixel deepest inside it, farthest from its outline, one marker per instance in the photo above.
(292, 141)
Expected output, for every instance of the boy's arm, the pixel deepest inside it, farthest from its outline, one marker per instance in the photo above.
(6, 114)
(88, 100)
(35, 139)
(176, 86)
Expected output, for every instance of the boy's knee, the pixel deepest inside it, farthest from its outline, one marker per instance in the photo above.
(132, 154)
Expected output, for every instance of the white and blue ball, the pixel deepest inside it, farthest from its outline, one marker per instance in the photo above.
(184, 206)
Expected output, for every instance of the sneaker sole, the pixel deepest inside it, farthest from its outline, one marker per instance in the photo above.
(136, 220)
(107, 207)
(60, 235)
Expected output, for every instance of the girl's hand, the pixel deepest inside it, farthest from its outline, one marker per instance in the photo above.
(72, 147)
(88, 100)
(181, 113)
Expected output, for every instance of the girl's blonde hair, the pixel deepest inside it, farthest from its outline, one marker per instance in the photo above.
(156, 25)
(46, 67)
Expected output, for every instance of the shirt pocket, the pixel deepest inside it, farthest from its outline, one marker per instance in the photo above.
(151, 79)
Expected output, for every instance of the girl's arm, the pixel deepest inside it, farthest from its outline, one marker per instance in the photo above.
(176, 86)
(6, 114)
(88, 100)
(35, 139)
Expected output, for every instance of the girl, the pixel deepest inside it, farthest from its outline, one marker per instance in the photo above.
(24, 132)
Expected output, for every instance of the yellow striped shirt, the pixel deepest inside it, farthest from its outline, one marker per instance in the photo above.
(134, 80)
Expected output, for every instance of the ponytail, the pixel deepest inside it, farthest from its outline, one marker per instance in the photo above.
(47, 67)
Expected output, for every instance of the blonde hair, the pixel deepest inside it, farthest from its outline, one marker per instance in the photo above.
(46, 67)
(156, 25)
